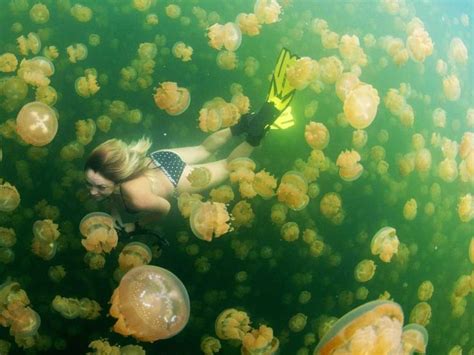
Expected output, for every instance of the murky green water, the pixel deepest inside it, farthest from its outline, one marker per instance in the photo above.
(435, 245)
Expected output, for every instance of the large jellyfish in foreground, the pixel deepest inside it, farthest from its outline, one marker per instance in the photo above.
(373, 328)
(37, 123)
(150, 304)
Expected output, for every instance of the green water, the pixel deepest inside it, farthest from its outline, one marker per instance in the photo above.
(278, 271)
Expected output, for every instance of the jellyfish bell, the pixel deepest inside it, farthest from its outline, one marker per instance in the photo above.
(98, 229)
(209, 220)
(37, 123)
(9, 197)
(150, 304)
(385, 243)
(171, 98)
(375, 327)
(360, 106)
(414, 339)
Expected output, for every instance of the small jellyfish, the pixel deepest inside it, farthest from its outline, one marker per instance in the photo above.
(452, 87)
(9, 197)
(199, 177)
(228, 36)
(414, 339)
(293, 190)
(150, 304)
(173, 11)
(260, 341)
(77, 52)
(8, 62)
(425, 291)
(302, 72)
(37, 123)
(86, 86)
(421, 314)
(99, 231)
(264, 184)
(209, 220)
(267, 11)
(290, 231)
(81, 13)
(242, 214)
(298, 322)
(134, 254)
(85, 131)
(232, 324)
(364, 270)
(210, 345)
(349, 167)
(360, 106)
(316, 135)
(410, 209)
(227, 60)
(171, 98)
(466, 208)
(39, 13)
(181, 51)
(457, 52)
(248, 24)
(373, 328)
(385, 243)
(345, 84)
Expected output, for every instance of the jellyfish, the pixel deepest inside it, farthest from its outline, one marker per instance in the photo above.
(329, 39)
(46, 95)
(471, 250)
(331, 70)
(98, 230)
(414, 339)
(242, 214)
(385, 243)
(209, 220)
(345, 84)
(466, 208)
(360, 106)
(171, 98)
(7, 237)
(421, 314)
(72, 308)
(134, 254)
(331, 207)
(302, 72)
(362, 293)
(39, 13)
(173, 11)
(223, 193)
(30, 43)
(36, 71)
(316, 135)
(210, 345)
(425, 290)
(95, 261)
(228, 36)
(86, 86)
(85, 131)
(72, 150)
(292, 190)
(452, 87)
(104, 123)
(248, 24)
(359, 138)
(298, 322)
(141, 5)
(373, 328)
(260, 341)
(56, 273)
(242, 102)
(419, 43)
(349, 167)
(187, 202)
(364, 270)
(181, 51)
(45, 238)
(77, 52)
(410, 209)
(199, 177)
(150, 304)
(439, 118)
(9, 197)
(457, 52)
(267, 11)
(278, 213)
(226, 60)
(81, 13)
(8, 62)
(24, 324)
(232, 324)
(351, 51)
(448, 170)
(37, 123)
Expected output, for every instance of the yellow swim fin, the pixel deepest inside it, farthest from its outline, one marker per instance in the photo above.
(281, 92)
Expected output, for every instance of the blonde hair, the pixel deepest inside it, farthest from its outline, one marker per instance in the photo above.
(118, 161)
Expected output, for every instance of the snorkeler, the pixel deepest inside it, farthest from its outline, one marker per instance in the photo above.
(142, 183)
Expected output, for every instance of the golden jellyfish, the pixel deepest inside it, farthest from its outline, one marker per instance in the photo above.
(86, 86)
(331, 207)
(8, 62)
(71, 151)
(7, 237)
(466, 147)
(278, 213)
(228, 36)
(134, 254)
(359, 138)
(385, 243)
(216, 114)
(223, 193)
(39, 13)
(439, 118)
(360, 106)
(98, 230)
(45, 239)
(81, 13)
(77, 52)
(466, 208)
(242, 214)
(209, 220)
(470, 117)
(248, 24)
(421, 314)
(210, 345)
(187, 202)
(351, 51)
(85, 131)
(345, 84)
(425, 290)
(31, 43)
(292, 190)
(36, 71)
(152, 19)
(141, 5)
(267, 11)
(302, 72)
(319, 25)
(37, 123)
(448, 170)
(46, 95)
(372, 328)
(24, 324)
(232, 324)
(452, 87)
(471, 251)
(410, 209)
(414, 339)
(181, 51)
(264, 184)
(260, 341)
(173, 11)
(290, 231)
(227, 60)
(457, 52)
(364, 270)
(50, 52)
(242, 102)
(361, 293)
(150, 304)
(9, 197)
(56, 273)
(72, 308)
(331, 69)
(171, 98)
(329, 39)
(199, 177)
(104, 123)
(349, 167)
(419, 43)
(316, 135)
(298, 322)
(423, 160)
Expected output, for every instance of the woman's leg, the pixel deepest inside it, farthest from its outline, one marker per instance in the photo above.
(199, 153)
(218, 169)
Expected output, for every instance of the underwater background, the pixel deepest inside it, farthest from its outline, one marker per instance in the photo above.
(250, 268)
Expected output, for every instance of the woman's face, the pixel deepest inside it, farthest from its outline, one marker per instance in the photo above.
(99, 186)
